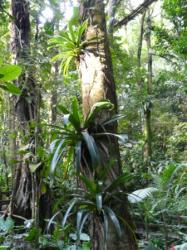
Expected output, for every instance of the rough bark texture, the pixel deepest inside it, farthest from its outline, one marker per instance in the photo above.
(24, 194)
(98, 83)
(95, 63)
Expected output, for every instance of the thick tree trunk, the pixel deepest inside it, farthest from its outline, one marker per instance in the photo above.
(25, 184)
(98, 83)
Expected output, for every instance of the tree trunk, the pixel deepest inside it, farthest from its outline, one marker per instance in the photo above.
(97, 79)
(25, 192)
(111, 14)
(148, 106)
(54, 96)
(139, 52)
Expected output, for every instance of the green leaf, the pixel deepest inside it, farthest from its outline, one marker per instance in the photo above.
(90, 184)
(105, 218)
(11, 88)
(66, 64)
(81, 30)
(114, 219)
(52, 219)
(57, 155)
(92, 148)
(78, 150)
(6, 225)
(95, 110)
(68, 211)
(9, 72)
(75, 111)
(75, 17)
(57, 57)
(140, 194)
(51, 147)
(33, 234)
(71, 32)
(113, 119)
(99, 202)
(86, 216)
(63, 109)
(121, 180)
(122, 137)
(33, 167)
(83, 237)
(79, 220)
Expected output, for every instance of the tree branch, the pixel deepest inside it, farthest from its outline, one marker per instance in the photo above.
(134, 13)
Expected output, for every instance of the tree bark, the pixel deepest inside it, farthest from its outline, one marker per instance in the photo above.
(98, 83)
(139, 52)
(148, 106)
(25, 192)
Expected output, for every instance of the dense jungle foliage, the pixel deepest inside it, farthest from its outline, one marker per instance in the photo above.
(93, 124)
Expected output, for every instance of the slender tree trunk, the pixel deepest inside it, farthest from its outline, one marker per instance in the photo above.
(12, 137)
(148, 106)
(140, 83)
(54, 95)
(112, 11)
(139, 52)
(98, 83)
(25, 184)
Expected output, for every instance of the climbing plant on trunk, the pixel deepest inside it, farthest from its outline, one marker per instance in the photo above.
(88, 46)
(97, 83)
(25, 182)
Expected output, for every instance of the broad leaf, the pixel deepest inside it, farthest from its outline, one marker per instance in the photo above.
(105, 217)
(11, 88)
(68, 211)
(99, 202)
(9, 72)
(95, 109)
(92, 148)
(34, 166)
(114, 219)
(84, 219)
(57, 155)
(6, 224)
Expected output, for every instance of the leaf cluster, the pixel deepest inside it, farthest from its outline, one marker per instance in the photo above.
(70, 44)
(74, 134)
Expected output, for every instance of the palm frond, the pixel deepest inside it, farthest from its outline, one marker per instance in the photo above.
(140, 194)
